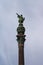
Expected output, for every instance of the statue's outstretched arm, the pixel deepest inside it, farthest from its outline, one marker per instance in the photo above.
(18, 15)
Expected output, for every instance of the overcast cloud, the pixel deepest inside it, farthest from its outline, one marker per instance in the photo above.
(32, 10)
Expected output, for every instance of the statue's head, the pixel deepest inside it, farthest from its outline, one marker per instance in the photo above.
(21, 15)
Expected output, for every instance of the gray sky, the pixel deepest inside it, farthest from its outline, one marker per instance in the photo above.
(32, 10)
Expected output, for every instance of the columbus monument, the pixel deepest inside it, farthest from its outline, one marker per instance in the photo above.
(20, 39)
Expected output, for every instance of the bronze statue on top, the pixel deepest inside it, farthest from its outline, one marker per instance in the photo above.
(21, 18)
(20, 28)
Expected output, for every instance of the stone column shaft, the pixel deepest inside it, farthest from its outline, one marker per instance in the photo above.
(21, 54)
